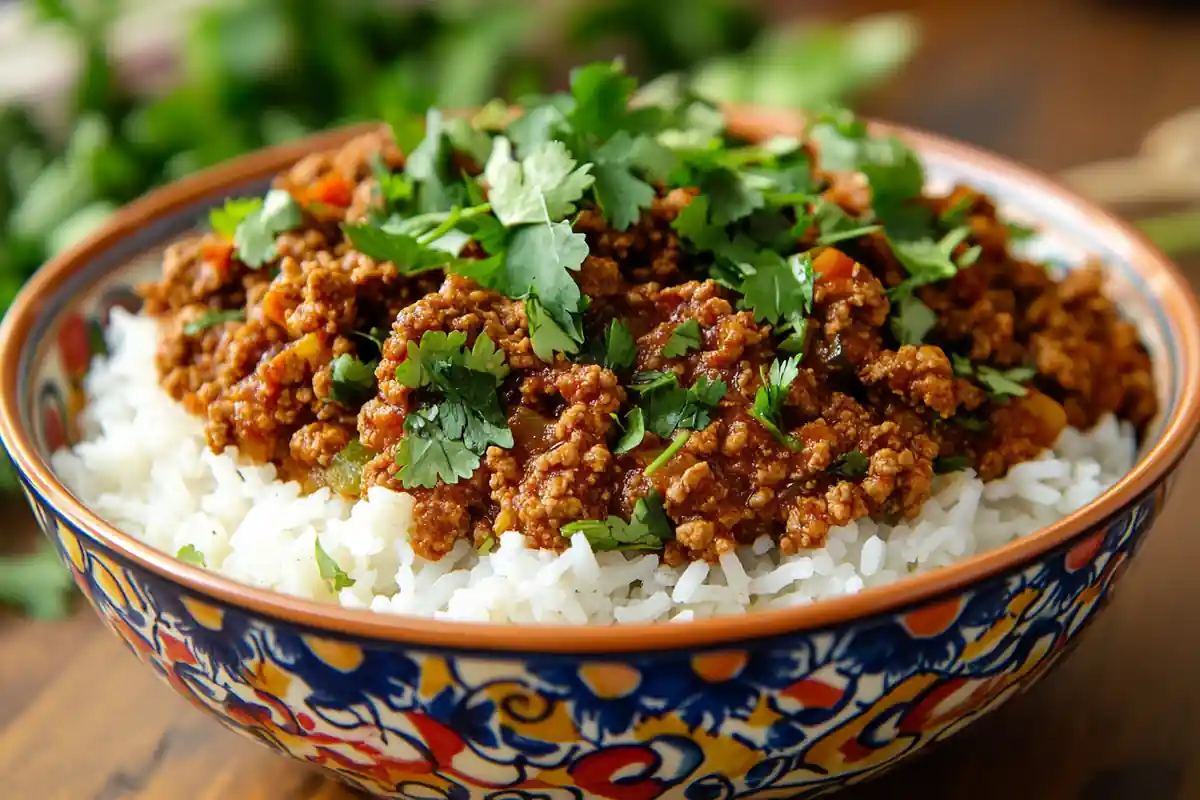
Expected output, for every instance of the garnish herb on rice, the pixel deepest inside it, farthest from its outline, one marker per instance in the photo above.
(190, 555)
(333, 575)
(560, 301)
(647, 529)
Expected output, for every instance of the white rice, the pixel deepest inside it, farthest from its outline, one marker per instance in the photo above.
(145, 468)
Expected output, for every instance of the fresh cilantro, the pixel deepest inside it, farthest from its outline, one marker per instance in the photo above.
(970, 256)
(333, 575)
(648, 528)
(851, 465)
(1000, 383)
(538, 263)
(445, 440)
(211, 318)
(962, 365)
(620, 193)
(428, 167)
(670, 410)
(543, 185)
(694, 225)
(795, 333)
(956, 214)
(254, 237)
(353, 381)
(768, 400)
(779, 289)
(973, 424)
(225, 220)
(948, 464)
(188, 554)
(635, 431)
(911, 319)
(428, 453)
(684, 338)
(730, 195)
(392, 189)
(926, 260)
(835, 225)
(616, 349)
(1005, 383)
(601, 93)
(409, 254)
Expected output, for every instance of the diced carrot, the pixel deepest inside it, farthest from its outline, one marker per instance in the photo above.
(332, 190)
(833, 264)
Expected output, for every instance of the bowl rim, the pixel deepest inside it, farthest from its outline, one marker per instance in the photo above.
(1172, 289)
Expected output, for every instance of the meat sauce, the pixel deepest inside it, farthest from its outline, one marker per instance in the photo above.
(263, 384)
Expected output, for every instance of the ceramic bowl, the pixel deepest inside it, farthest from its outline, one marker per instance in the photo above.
(774, 704)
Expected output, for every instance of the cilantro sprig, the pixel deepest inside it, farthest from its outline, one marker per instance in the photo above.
(648, 528)
(212, 318)
(253, 224)
(445, 439)
(1000, 383)
(684, 338)
(670, 411)
(615, 350)
(769, 399)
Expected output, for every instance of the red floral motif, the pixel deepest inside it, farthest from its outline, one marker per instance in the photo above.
(607, 773)
(74, 345)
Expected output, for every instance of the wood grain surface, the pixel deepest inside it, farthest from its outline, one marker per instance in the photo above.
(1051, 83)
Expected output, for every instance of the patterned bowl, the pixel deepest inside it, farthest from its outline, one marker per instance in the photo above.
(774, 704)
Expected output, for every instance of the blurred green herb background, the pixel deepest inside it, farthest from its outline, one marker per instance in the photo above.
(258, 72)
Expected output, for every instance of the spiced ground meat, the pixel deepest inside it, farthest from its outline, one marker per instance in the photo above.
(860, 428)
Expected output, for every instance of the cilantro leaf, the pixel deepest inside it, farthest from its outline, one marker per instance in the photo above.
(211, 318)
(333, 575)
(1005, 383)
(225, 220)
(538, 263)
(667, 406)
(962, 365)
(947, 464)
(353, 382)
(911, 319)
(835, 225)
(426, 454)
(957, 213)
(635, 431)
(544, 184)
(428, 164)
(547, 334)
(694, 225)
(927, 260)
(685, 337)
(973, 424)
(795, 331)
(255, 235)
(445, 440)
(392, 189)
(777, 289)
(852, 464)
(731, 197)
(648, 528)
(621, 194)
(601, 92)
(616, 349)
(768, 400)
(188, 554)
(406, 253)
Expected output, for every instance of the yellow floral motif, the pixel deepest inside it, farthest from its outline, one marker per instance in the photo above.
(342, 656)
(210, 617)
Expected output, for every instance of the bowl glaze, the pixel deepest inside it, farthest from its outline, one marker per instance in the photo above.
(783, 703)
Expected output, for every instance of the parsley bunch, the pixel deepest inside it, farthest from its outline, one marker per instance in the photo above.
(446, 437)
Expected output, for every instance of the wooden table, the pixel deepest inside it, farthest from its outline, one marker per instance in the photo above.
(1054, 84)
